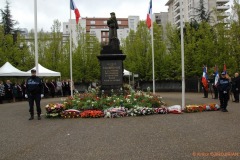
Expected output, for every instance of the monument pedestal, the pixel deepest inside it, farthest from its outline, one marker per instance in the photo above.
(111, 62)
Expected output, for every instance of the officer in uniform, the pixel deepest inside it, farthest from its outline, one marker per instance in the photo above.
(236, 87)
(34, 92)
(223, 89)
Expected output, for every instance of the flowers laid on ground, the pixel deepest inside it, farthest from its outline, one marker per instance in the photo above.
(201, 108)
(54, 110)
(92, 114)
(89, 105)
(70, 113)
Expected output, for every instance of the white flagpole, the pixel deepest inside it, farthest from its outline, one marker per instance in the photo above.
(182, 56)
(70, 25)
(153, 68)
(35, 36)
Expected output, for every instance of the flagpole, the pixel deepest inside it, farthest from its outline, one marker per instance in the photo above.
(153, 68)
(70, 24)
(182, 57)
(35, 36)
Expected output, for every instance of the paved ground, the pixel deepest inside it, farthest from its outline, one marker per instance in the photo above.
(131, 138)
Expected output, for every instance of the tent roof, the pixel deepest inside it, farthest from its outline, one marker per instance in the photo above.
(45, 72)
(126, 73)
(8, 70)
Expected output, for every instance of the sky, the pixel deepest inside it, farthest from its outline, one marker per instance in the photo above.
(50, 10)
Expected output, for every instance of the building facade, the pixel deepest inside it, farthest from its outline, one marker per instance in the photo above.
(189, 10)
(98, 27)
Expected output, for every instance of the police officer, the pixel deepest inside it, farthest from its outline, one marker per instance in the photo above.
(34, 92)
(236, 87)
(223, 89)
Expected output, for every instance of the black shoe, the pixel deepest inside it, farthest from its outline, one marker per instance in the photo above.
(224, 110)
(39, 117)
(31, 118)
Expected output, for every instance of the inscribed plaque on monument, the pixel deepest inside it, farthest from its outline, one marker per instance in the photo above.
(112, 72)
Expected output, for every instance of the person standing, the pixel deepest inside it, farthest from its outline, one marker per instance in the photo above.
(59, 88)
(2, 92)
(214, 85)
(46, 88)
(34, 92)
(236, 87)
(223, 86)
(52, 88)
(8, 91)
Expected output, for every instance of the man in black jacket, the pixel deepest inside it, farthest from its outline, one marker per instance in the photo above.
(223, 89)
(34, 92)
(236, 87)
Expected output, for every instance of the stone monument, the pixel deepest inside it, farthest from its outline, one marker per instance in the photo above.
(111, 62)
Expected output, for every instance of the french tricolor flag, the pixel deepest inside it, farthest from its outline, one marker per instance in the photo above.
(149, 20)
(73, 7)
(205, 78)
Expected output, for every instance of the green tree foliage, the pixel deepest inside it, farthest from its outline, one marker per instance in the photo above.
(85, 63)
(234, 35)
(137, 47)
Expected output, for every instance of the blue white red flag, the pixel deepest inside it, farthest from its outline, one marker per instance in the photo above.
(76, 11)
(216, 76)
(149, 20)
(205, 78)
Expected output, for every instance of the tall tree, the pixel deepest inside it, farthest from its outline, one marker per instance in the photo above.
(7, 21)
(202, 14)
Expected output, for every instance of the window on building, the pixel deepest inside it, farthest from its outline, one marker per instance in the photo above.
(104, 39)
(104, 22)
(104, 33)
(119, 22)
(93, 32)
(92, 22)
(66, 26)
(92, 27)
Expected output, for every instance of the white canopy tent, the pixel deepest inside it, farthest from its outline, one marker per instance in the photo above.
(8, 70)
(44, 72)
(127, 73)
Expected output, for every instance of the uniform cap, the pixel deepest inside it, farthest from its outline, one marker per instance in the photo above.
(33, 71)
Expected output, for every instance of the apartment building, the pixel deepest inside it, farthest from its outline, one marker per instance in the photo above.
(98, 27)
(189, 11)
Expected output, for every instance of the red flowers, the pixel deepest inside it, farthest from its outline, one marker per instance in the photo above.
(92, 114)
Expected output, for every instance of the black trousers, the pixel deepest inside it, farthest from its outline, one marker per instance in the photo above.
(205, 92)
(236, 95)
(37, 99)
(215, 91)
(224, 97)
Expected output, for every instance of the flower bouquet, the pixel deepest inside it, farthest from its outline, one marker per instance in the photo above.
(211, 107)
(115, 112)
(71, 113)
(176, 109)
(54, 110)
(139, 111)
(201, 108)
(92, 114)
(162, 110)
